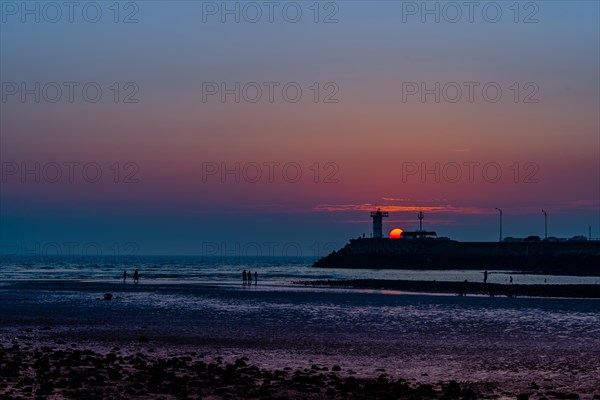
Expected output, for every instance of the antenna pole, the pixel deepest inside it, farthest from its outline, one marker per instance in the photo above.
(545, 223)
(500, 211)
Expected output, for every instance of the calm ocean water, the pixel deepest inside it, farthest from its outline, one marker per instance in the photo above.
(272, 271)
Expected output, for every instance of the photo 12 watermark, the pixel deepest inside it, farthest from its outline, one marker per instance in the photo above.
(69, 250)
(69, 92)
(453, 12)
(72, 12)
(271, 249)
(469, 92)
(69, 172)
(270, 172)
(254, 12)
(470, 172)
(269, 92)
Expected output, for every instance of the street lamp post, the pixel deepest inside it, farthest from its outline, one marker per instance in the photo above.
(545, 223)
(500, 211)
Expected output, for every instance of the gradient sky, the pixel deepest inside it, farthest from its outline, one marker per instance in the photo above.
(370, 134)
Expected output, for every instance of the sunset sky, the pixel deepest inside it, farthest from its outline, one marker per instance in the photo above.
(365, 144)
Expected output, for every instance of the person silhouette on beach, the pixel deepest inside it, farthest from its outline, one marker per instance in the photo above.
(244, 276)
(124, 276)
(255, 277)
(136, 276)
(485, 276)
(511, 279)
(249, 277)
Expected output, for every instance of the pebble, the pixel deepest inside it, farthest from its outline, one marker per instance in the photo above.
(73, 373)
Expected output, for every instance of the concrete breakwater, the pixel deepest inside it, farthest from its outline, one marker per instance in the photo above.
(556, 258)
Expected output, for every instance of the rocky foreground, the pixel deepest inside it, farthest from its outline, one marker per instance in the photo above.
(48, 372)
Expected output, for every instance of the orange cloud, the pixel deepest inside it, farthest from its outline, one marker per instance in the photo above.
(449, 209)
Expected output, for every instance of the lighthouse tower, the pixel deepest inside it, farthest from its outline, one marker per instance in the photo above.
(378, 222)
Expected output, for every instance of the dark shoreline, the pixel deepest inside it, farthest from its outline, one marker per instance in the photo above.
(464, 288)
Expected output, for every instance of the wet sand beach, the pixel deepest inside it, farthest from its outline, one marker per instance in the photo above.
(62, 339)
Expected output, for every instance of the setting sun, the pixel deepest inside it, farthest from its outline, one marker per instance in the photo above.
(395, 233)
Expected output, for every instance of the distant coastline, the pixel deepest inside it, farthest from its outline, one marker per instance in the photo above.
(464, 288)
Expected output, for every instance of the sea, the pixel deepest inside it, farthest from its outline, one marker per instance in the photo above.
(272, 272)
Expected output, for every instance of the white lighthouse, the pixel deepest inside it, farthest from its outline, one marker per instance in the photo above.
(378, 222)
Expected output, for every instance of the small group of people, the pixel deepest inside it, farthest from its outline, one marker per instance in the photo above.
(136, 276)
(247, 277)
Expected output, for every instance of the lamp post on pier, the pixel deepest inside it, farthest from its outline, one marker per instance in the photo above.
(545, 224)
(500, 211)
